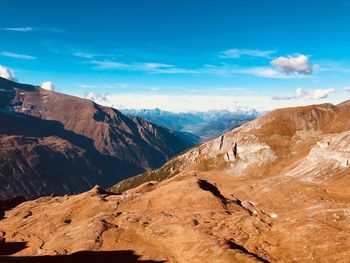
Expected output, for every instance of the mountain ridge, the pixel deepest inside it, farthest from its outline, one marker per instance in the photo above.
(107, 144)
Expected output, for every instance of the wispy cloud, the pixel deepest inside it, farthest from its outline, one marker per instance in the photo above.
(19, 29)
(262, 72)
(83, 55)
(29, 29)
(80, 54)
(313, 94)
(15, 55)
(281, 67)
(157, 68)
(239, 53)
(346, 89)
(118, 86)
(87, 86)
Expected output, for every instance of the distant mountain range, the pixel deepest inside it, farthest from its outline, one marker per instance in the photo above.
(206, 125)
(53, 143)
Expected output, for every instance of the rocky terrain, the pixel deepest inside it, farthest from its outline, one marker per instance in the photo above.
(273, 190)
(53, 143)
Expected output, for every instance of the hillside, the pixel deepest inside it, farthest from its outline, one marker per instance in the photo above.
(55, 143)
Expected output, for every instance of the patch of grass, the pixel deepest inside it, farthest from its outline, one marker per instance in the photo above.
(168, 170)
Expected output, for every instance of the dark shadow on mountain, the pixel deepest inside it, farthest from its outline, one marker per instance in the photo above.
(243, 250)
(97, 168)
(9, 204)
(125, 256)
(9, 248)
(7, 92)
(206, 186)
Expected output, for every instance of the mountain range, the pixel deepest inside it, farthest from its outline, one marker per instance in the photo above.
(273, 190)
(52, 143)
(205, 125)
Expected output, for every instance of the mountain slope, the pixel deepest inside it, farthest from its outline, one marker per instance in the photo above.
(274, 190)
(55, 143)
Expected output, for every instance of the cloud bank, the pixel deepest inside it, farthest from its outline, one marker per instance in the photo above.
(313, 94)
(96, 96)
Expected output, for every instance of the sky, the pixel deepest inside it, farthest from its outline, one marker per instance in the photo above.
(184, 55)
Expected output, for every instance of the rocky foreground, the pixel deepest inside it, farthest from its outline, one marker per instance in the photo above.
(274, 190)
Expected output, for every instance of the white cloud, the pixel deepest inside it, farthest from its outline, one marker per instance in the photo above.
(314, 94)
(346, 89)
(7, 73)
(238, 53)
(48, 85)
(15, 55)
(298, 65)
(19, 29)
(95, 96)
(99, 98)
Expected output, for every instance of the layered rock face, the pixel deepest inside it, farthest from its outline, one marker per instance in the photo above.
(273, 190)
(55, 143)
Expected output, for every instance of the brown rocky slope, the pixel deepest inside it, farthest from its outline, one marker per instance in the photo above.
(273, 190)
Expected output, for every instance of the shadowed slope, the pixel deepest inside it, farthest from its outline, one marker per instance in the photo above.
(82, 256)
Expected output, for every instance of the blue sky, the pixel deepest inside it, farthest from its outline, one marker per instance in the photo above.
(181, 55)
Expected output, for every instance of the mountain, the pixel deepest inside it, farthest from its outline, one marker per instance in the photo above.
(275, 138)
(56, 143)
(273, 190)
(205, 125)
